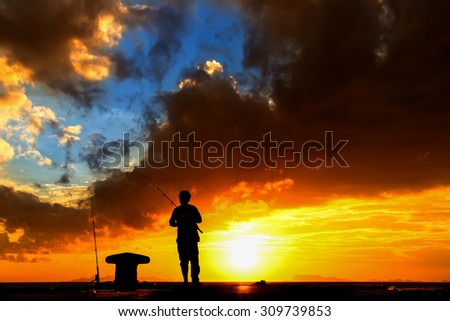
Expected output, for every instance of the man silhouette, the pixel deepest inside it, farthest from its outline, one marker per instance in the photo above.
(185, 217)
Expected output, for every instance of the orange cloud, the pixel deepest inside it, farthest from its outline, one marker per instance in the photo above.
(246, 200)
(13, 100)
(91, 67)
(6, 152)
(68, 134)
(74, 130)
(277, 186)
(109, 31)
(211, 67)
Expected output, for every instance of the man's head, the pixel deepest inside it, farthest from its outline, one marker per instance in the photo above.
(184, 196)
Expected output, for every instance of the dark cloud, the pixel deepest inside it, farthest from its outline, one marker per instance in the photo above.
(43, 227)
(67, 167)
(124, 200)
(64, 179)
(374, 72)
(139, 16)
(32, 229)
(324, 57)
(214, 109)
(84, 92)
(92, 153)
(126, 68)
(39, 186)
(312, 50)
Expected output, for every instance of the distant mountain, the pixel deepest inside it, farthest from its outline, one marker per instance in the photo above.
(401, 280)
(317, 278)
(91, 279)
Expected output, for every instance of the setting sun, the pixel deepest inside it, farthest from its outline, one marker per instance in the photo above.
(243, 253)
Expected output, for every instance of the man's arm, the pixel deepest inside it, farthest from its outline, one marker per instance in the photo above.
(198, 217)
(173, 220)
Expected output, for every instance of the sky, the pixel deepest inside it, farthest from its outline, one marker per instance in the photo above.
(313, 136)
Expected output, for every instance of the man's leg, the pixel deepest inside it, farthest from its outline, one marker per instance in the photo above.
(195, 265)
(183, 254)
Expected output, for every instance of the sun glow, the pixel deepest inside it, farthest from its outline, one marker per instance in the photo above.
(243, 253)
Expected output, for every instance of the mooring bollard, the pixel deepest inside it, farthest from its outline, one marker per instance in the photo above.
(126, 268)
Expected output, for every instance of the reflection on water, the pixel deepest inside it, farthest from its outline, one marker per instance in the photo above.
(243, 289)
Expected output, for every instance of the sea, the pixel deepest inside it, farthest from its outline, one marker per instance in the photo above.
(228, 291)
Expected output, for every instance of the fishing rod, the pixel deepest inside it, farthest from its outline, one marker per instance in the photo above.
(97, 276)
(165, 195)
(156, 186)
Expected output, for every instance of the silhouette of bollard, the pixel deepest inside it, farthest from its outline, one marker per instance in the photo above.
(126, 268)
